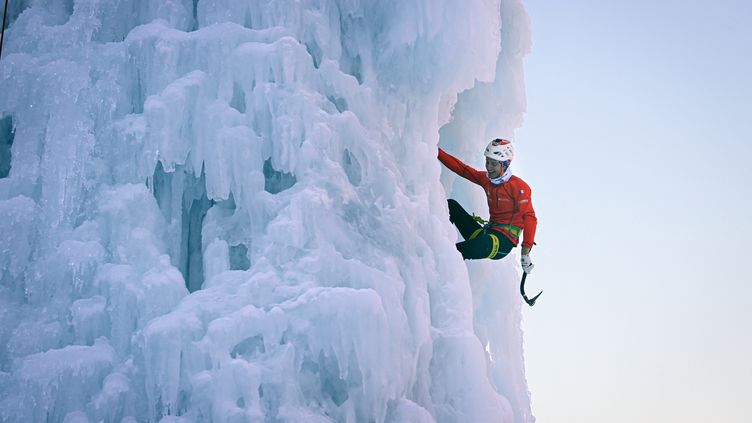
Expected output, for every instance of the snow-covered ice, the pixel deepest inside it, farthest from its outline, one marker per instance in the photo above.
(228, 210)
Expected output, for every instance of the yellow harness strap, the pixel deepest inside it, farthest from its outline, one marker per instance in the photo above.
(494, 240)
(495, 247)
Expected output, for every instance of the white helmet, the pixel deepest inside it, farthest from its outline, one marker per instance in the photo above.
(500, 149)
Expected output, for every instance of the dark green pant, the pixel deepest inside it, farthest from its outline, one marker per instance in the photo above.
(484, 242)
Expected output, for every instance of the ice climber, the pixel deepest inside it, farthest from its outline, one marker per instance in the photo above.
(509, 204)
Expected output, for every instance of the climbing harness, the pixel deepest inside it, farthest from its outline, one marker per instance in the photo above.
(495, 243)
(513, 231)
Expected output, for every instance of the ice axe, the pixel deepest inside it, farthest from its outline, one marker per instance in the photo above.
(530, 302)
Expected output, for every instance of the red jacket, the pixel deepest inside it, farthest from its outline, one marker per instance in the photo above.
(508, 203)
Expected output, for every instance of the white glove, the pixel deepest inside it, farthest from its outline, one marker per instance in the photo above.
(527, 264)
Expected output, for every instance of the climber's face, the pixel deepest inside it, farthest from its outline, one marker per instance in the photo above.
(494, 168)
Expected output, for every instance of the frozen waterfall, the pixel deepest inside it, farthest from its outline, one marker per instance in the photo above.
(232, 211)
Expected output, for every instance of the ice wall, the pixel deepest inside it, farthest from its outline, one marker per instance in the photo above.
(223, 210)
(483, 113)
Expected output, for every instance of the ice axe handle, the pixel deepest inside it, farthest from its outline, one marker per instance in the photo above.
(530, 302)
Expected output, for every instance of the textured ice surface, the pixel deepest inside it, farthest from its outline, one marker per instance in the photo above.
(225, 210)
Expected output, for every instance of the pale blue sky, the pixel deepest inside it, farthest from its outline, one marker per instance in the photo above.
(638, 146)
